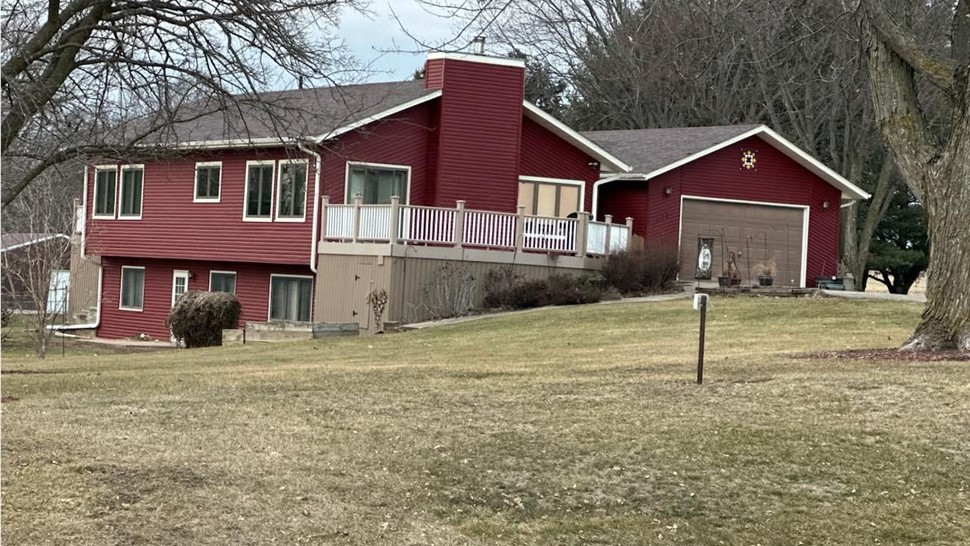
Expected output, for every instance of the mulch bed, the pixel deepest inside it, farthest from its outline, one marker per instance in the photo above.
(889, 354)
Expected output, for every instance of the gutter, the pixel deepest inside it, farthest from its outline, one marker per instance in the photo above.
(88, 325)
(607, 180)
(316, 206)
(84, 208)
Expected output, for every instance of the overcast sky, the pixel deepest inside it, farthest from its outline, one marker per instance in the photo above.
(379, 41)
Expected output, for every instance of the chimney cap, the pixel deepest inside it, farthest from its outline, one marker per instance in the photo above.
(478, 45)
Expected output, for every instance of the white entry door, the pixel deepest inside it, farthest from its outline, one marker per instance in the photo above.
(180, 283)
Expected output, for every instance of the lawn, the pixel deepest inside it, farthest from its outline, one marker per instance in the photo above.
(566, 426)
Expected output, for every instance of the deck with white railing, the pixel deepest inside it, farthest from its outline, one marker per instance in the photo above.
(460, 227)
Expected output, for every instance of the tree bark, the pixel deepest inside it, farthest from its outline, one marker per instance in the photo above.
(937, 172)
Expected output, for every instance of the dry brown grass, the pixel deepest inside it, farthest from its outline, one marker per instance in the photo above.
(568, 426)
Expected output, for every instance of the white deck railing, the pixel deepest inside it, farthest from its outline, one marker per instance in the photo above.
(473, 228)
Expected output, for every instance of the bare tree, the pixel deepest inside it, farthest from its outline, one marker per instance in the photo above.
(35, 261)
(76, 73)
(935, 164)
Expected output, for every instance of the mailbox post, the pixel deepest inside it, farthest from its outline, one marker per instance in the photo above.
(700, 304)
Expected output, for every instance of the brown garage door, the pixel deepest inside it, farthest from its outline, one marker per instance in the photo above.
(745, 230)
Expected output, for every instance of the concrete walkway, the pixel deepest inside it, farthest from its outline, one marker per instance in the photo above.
(120, 342)
(688, 291)
(459, 320)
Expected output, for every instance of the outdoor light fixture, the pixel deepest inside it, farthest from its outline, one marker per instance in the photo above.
(668, 190)
(825, 204)
(594, 165)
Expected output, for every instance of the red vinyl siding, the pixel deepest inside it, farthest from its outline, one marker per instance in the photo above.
(625, 198)
(252, 289)
(403, 139)
(776, 179)
(479, 131)
(173, 226)
(545, 154)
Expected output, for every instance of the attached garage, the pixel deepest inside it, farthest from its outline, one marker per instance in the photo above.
(755, 232)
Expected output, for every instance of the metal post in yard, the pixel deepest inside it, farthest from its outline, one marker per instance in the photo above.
(702, 304)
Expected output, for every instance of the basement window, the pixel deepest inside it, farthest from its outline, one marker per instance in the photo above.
(132, 288)
(222, 281)
(290, 298)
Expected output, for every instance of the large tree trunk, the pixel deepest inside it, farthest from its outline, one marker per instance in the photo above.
(937, 172)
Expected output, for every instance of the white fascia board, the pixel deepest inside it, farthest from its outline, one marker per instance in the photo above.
(484, 59)
(268, 142)
(849, 190)
(605, 158)
(380, 115)
(36, 241)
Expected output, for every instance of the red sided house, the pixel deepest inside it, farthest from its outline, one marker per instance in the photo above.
(380, 186)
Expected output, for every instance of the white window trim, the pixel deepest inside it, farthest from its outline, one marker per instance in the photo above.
(195, 182)
(350, 164)
(94, 200)
(272, 193)
(269, 301)
(279, 190)
(121, 175)
(216, 271)
(561, 182)
(121, 289)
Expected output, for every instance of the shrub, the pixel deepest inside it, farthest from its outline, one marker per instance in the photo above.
(198, 318)
(450, 291)
(505, 290)
(641, 271)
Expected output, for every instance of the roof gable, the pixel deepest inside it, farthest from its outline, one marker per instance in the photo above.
(653, 152)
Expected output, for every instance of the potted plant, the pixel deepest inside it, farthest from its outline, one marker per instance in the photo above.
(731, 275)
(766, 273)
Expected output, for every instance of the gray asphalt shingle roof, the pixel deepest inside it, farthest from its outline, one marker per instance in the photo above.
(647, 150)
(292, 113)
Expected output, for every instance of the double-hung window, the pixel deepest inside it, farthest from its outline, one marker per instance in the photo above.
(132, 186)
(290, 298)
(132, 288)
(259, 191)
(376, 184)
(105, 181)
(222, 281)
(292, 191)
(208, 179)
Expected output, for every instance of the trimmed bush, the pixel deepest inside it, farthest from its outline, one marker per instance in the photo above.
(198, 318)
(506, 290)
(641, 271)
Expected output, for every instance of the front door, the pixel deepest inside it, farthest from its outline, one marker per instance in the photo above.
(180, 283)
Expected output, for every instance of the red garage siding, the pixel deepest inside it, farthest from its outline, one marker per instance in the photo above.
(545, 154)
(777, 179)
(252, 289)
(479, 130)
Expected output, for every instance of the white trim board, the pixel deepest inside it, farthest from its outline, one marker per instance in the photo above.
(816, 167)
(805, 222)
(564, 132)
(473, 58)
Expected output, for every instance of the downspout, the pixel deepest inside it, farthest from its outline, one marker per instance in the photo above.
(316, 206)
(84, 209)
(596, 192)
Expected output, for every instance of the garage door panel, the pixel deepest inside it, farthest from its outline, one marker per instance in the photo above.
(746, 229)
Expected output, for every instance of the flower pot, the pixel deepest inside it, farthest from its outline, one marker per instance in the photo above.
(766, 280)
(728, 281)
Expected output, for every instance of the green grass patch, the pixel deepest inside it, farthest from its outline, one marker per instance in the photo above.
(576, 425)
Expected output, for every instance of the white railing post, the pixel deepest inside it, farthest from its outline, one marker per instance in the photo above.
(629, 233)
(392, 230)
(609, 224)
(324, 203)
(582, 233)
(357, 202)
(459, 223)
(519, 227)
